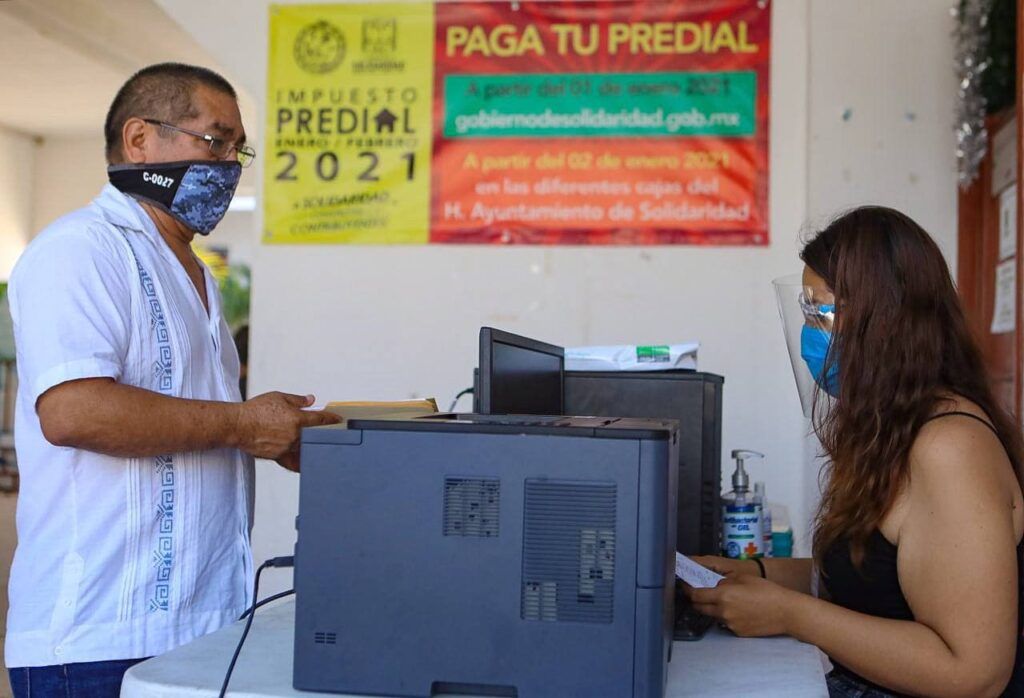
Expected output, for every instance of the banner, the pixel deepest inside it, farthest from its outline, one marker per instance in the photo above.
(534, 122)
(349, 100)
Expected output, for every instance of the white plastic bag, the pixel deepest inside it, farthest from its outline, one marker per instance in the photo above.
(632, 357)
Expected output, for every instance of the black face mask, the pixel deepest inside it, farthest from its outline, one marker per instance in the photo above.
(195, 192)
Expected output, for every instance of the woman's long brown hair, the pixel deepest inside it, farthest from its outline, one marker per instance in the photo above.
(901, 343)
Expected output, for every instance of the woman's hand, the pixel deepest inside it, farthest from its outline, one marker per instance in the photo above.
(746, 604)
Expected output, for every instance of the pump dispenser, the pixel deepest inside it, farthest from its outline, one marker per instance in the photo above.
(742, 524)
(740, 479)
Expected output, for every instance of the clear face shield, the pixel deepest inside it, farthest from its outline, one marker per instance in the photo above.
(808, 315)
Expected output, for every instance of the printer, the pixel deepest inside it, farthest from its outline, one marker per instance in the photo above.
(522, 556)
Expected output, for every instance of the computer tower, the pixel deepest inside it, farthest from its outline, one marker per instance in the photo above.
(514, 556)
(695, 401)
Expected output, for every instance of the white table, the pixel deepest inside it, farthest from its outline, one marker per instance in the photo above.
(718, 665)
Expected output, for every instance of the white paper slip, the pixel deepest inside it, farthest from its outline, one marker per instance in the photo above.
(1004, 315)
(694, 574)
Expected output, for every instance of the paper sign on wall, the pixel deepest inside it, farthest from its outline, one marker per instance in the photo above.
(1008, 222)
(1004, 315)
(556, 122)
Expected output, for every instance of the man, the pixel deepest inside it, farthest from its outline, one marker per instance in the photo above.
(136, 453)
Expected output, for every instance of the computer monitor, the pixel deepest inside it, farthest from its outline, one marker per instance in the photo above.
(691, 398)
(519, 375)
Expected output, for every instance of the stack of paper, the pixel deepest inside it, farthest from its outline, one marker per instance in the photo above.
(401, 409)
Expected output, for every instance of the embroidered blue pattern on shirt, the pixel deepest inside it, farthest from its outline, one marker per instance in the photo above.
(163, 554)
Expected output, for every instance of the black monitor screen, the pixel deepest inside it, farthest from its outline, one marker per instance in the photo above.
(519, 375)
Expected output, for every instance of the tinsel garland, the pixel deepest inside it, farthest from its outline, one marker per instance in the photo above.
(971, 37)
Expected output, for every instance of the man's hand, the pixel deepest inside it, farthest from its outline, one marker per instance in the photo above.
(101, 415)
(290, 460)
(269, 425)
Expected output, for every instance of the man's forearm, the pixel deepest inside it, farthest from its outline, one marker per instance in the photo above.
(120, 420)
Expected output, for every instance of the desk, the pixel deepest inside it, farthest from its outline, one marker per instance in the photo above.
(778, 666)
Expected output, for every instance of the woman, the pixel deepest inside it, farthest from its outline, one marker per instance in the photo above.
(917, 533)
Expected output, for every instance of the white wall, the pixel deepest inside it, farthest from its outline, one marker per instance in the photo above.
(881, 111)
(386, 323)
(69, 173)
(17, 163)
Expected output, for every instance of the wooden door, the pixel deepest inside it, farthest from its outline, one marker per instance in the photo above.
(979, 258)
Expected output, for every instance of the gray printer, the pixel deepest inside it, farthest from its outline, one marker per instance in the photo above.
(510, 556)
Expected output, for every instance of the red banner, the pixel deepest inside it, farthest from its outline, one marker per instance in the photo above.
(601, 123)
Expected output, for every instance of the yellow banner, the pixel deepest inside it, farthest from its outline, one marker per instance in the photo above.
(348, 147)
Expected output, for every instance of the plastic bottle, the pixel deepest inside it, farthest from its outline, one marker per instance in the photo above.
(782, 532)
(742, 532)
(766, 517)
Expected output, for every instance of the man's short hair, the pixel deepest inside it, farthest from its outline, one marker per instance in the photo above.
(164, 92)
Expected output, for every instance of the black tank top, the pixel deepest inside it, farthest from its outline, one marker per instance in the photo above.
(875, 588)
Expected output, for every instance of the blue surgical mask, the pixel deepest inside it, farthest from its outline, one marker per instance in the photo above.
(196, 192)
(814, 347)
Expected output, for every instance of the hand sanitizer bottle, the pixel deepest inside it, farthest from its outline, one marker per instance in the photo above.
(742, 530)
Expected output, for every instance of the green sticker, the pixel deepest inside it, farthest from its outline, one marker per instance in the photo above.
(653, 354)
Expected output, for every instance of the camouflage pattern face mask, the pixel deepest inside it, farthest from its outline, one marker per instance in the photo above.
(196, 192)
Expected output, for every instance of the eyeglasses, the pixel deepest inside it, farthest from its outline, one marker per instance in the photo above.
(816, 310)
(219, 147)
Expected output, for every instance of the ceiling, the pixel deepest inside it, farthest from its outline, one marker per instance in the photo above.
(62, 61)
